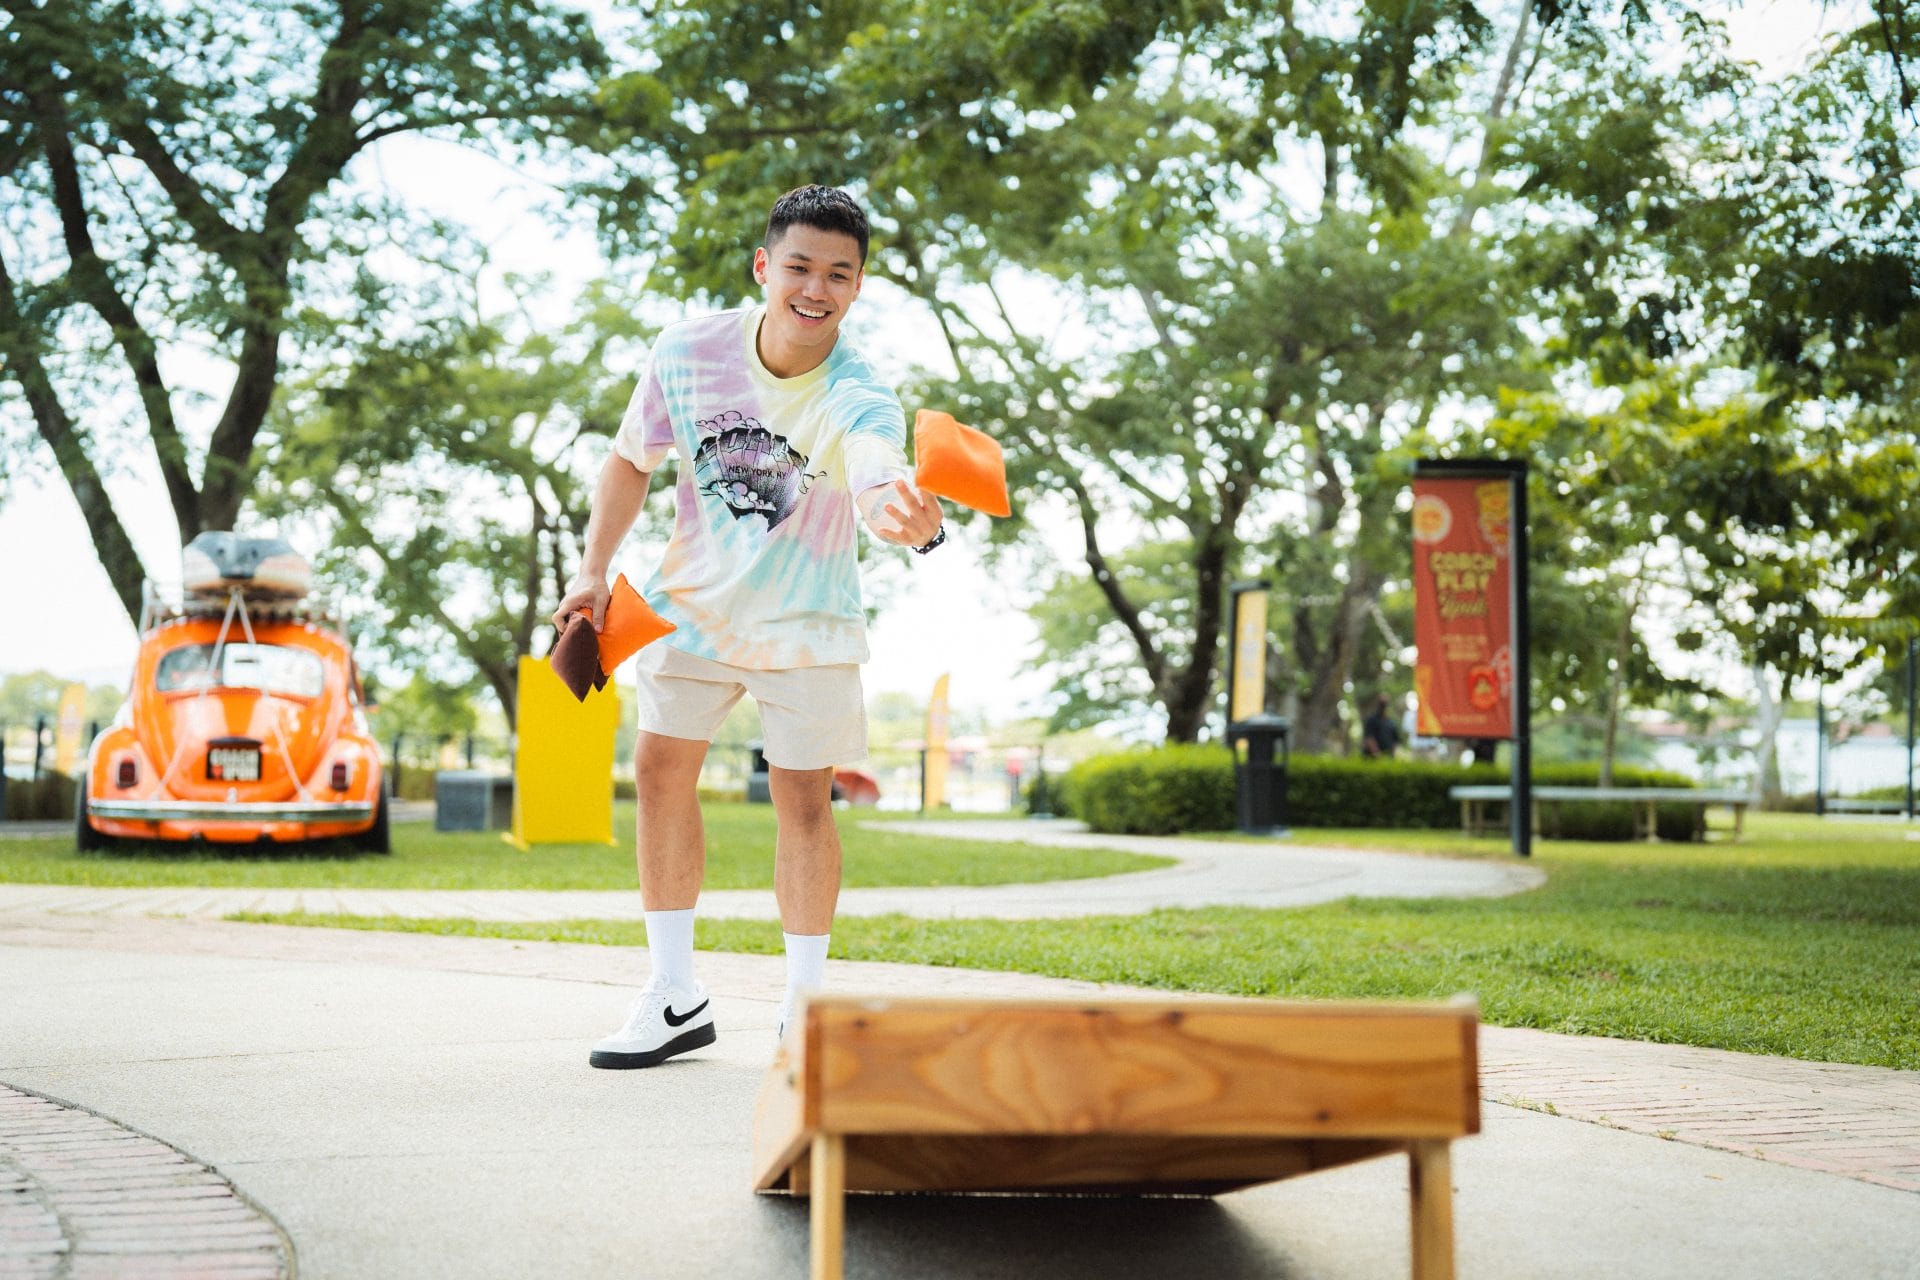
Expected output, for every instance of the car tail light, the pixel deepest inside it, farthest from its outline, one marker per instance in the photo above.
(128, 774)
(340, 775)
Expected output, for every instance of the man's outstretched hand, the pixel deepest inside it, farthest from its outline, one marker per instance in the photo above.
(589, 592)
(901, 513)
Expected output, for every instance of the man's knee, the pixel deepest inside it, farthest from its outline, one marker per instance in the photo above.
(666, 770)
(802, 797)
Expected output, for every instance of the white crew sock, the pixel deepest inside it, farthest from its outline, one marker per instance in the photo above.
(670, 944)
(806, 966)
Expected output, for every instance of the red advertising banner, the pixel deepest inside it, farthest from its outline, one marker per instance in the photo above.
(1462, 605)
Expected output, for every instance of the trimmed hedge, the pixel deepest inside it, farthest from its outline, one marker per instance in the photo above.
(1175, 788)
(1191, 788)
(50, 798)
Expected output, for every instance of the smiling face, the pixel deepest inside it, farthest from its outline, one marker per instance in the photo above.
(810, 278)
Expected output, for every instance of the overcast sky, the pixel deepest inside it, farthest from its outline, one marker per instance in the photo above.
(944, 614)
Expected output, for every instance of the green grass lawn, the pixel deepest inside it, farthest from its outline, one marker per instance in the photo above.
(739, 856)
(1803, 940)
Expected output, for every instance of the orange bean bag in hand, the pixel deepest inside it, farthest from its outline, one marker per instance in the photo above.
(956, 461)
(585, 661)
(631, 626)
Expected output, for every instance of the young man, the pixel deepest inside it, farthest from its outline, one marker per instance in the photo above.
(783, 432)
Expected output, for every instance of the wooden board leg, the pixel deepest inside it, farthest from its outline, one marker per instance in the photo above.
(829, 1204)
(1432, 1181)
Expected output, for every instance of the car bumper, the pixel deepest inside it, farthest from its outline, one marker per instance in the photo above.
(214, 811)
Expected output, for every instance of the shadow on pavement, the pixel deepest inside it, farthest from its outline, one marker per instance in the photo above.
(987, 1237)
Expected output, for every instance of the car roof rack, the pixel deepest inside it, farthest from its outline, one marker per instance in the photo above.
(161, 604)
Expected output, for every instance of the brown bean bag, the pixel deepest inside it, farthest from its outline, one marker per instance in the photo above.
(575, 657)
(584, 660)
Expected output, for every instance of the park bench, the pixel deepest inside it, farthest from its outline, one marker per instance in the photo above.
(1854, 804)
(1171, 1097)
(1645, 801)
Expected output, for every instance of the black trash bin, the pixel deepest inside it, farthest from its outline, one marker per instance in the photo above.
(759, 786)
(1260, 779)
(460, 800)
(472, 800)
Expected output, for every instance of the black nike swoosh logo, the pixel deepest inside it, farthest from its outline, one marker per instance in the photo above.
(680, 1019)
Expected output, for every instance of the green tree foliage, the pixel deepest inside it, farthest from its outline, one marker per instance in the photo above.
(422, 709)
(1734, 283)
(176, 186)
(27, 696)
(451, 469)
(1252, 341)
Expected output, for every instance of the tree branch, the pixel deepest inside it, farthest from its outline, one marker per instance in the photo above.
(1474, 197)
(504, 681)
(210, 227)
(530, 609)
(127, 111)
(1150, 299)
(1123, 608)
(418, 126)
(318, 159)
(21, 345)
(97, 286)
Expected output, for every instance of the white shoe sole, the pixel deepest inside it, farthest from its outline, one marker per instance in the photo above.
(694, 1039)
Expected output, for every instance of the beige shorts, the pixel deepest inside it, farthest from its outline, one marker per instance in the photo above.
(810, 717)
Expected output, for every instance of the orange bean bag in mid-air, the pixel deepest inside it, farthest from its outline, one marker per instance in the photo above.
(956, 461)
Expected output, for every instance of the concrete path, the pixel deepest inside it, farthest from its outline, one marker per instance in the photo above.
(1207, 873)
(411, 1106)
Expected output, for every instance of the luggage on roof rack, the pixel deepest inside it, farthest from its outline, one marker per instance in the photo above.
(262, 568)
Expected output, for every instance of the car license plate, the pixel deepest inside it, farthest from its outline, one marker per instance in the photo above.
(233, 762)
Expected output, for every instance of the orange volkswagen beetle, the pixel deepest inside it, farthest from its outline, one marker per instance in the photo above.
(244, 720)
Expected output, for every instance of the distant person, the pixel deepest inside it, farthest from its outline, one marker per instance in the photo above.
(1483, 749)
(1379, 735)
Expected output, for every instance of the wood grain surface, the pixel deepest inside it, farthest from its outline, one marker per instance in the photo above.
(1225, 1069)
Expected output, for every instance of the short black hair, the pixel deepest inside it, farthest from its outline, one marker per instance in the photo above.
(823, 208)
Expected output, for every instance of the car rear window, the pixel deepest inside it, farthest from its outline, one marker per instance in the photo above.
(270, 667)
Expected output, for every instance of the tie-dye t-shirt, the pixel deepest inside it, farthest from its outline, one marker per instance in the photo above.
(761, 571)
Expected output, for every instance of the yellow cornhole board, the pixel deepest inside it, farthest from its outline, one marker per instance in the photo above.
(562, 762)
(1189, 1097)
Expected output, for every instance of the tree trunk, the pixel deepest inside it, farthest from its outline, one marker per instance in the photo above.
(1188, 693)
(1614, 682)
(1771, 711)
(505, 684)
(1319, 727)
(110, 540)
(1476, 195)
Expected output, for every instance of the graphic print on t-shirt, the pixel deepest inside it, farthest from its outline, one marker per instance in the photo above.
(746, 466)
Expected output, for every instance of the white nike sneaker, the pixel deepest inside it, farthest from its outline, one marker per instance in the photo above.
(664, 1022)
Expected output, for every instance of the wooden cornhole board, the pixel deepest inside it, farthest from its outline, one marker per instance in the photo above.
(1187, 1097)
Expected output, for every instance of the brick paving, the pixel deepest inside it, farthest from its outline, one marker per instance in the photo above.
(82, 1198)
(1858, 1122)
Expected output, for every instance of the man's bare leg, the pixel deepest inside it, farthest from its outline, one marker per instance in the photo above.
(806, 875)
(670, 840)
(672, 1014)
(806, 861)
